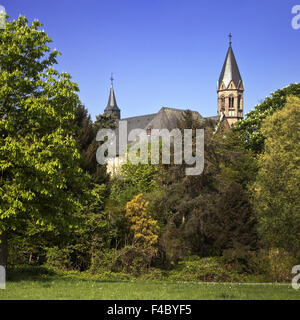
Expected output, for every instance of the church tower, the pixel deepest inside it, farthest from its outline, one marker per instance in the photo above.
(112, 107)
(231, 89)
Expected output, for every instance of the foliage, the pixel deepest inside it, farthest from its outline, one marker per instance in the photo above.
(143, 227)
(239, 258)
(40, 179)
(59, 258)
(98, 172)
(61, 209)
(211, 212)
(85, 136)
(250, 128)
(133, 260)
(205, 269)
(272, 265)
(280, 265)
(140, 176)
(173, 245)
(276, 193)
(104, 261)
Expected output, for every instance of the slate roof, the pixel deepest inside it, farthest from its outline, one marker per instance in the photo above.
(139, 122)
(112, 102)
(166, 118)
(230, 71)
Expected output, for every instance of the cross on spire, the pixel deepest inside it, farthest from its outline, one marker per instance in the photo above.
(112, 79)
(230, 38)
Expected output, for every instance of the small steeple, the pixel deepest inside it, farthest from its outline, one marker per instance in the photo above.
(112, 107)
(230, 89)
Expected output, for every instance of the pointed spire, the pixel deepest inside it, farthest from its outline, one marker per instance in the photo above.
(112, 107)
(230, 71)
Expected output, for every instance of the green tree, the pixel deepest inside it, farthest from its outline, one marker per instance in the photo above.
(277, 187)
(84, 135)
(250, 128)
(98, 172)
(210, 212)
(40, 177)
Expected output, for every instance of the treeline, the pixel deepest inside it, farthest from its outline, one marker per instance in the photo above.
(59, 208)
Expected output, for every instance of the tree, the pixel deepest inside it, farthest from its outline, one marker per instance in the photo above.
(277, 188)
(40, 177)
(98, 172)
(210, 212)
(250, 128)
(84, 135)
(143, 227)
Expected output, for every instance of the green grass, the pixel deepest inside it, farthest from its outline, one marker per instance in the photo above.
(51, 286)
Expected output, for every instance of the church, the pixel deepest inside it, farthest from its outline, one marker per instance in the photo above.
(230, 106)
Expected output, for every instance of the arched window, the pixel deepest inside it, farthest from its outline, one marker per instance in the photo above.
(239, 101)
(231, 102)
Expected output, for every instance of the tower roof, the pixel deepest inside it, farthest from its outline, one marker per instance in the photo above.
(230, 71)
(112, 102)
(112, 106)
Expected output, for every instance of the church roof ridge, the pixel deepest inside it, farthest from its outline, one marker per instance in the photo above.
(141, 116)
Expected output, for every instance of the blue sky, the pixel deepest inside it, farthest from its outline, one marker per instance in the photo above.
(168, 53)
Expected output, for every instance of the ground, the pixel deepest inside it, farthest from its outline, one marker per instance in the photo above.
(47, 286)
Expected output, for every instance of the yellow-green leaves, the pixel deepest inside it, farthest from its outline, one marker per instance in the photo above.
(277, 188)
(40, 178)
(143, 227)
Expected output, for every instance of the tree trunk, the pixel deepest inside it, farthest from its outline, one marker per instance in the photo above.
(3, 250)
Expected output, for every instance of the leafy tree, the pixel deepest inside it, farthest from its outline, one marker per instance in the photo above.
(143, 227)
(277, 188)
(133, 180)
(98, 172)
(40, 177)
(210, 212)
(250, 128)
(84, 135)
(141, 176)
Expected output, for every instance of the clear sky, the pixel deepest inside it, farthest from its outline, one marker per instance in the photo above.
(168, 53)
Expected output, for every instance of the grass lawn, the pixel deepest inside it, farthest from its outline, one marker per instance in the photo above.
(21, 286)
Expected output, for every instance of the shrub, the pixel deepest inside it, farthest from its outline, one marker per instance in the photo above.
(104, 261)
(59, 258)
(205, 269)
(132, 260)
(237, 258)
(281, 264)
(274, 264)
